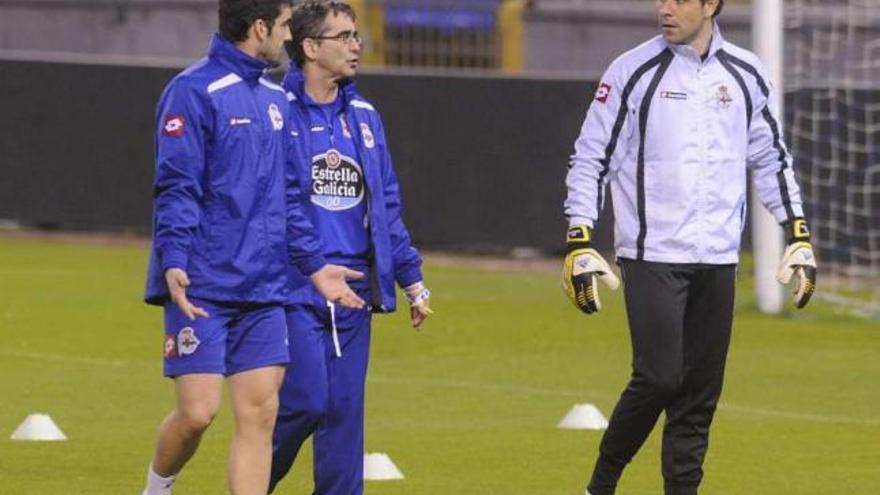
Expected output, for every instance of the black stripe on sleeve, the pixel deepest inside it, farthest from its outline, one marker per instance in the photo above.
(665, 59)
(774, 128)
(621, 118)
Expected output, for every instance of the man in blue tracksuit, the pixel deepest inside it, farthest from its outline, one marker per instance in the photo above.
(219, 257)
(340, 157)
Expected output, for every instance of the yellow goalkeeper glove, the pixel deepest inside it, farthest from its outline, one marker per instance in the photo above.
(798, 261)
(583, 265)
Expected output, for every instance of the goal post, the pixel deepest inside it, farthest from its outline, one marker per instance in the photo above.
(830, 84)
(767, 242)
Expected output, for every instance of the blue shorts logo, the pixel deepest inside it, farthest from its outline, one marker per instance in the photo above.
(170, 348)
(337, 181)
(187, 343)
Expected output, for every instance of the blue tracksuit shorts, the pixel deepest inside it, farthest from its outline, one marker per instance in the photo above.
(236, 337)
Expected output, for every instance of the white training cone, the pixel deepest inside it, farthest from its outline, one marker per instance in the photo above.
(379, 467)
(38, 427)
(583, 417)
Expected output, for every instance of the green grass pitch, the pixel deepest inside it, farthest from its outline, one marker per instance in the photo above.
(467, 406)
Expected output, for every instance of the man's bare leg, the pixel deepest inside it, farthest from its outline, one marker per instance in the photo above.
(198, 399)
(254, 395)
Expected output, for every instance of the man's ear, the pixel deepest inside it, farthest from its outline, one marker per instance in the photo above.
(259, 30)
(310, 48)
(710, 6)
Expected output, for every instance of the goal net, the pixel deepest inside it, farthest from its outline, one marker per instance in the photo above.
(832, 83)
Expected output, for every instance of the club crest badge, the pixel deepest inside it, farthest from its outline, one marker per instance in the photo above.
(276, 117)
(333, 158)
(187, 342)
(367, 134)
(724, 98)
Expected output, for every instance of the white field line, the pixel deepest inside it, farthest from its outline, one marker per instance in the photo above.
(41, 272)
(805, 416)
(77, 360)
(476, 385)
(586, 394)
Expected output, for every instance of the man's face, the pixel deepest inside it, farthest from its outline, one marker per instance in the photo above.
(272, 46)
(682, 20)
(338, 51)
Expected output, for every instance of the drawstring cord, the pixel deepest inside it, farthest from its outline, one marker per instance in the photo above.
(335, 332)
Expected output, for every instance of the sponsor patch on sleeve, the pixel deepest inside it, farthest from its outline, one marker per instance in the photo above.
(174, 125)
(602, 92)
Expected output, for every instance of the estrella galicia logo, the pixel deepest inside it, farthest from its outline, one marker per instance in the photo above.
(337, 181)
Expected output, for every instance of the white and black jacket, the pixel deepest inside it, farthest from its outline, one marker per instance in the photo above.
(673, 134)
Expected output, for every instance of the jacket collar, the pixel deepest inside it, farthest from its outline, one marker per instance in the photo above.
(295, 82)
(686, 51)
(228, 55)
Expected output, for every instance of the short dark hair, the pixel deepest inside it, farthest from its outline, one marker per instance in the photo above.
(308, 21)
(717, 9)
(237, 16)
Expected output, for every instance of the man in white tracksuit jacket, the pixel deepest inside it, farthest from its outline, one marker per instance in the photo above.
(674, 127)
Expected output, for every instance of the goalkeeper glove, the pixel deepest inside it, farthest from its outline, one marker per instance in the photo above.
(798, 261)
(583, 265)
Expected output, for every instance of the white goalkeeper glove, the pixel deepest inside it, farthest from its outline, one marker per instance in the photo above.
(583, 265)
(798, 262)
(419, 298)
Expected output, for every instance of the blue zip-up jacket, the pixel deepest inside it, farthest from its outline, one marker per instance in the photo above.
(394, 257)
(219, 193)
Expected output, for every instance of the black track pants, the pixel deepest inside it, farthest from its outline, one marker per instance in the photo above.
(680, 317)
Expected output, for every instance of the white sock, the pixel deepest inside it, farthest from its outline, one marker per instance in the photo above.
(158, 485)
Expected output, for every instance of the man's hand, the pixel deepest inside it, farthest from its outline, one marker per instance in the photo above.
(583, 265)
(798, 261)
(178, 281)
(330, 282)
(419, 299)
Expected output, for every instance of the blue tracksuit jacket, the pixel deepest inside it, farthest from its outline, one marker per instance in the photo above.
(220, 210)
(394, 258)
